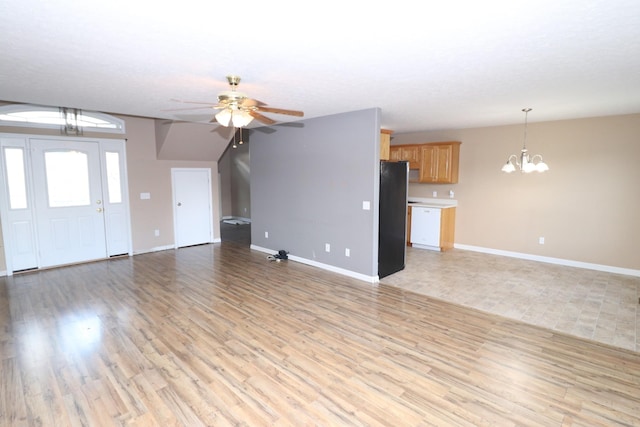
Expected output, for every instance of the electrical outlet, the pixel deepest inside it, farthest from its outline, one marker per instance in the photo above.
(156, 233)
(347, 252)
(435, 194)
(541, 240)
(266, 234)
(327, 247)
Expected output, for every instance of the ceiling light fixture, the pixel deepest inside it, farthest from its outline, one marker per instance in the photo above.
(526, 164)
(233, 116)
(236, 106)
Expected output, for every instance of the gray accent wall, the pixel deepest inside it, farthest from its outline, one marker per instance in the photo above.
(309, 180)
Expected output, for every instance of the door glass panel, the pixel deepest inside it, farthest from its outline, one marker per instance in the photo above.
(67, 175)
(114, 188)
(17, 186)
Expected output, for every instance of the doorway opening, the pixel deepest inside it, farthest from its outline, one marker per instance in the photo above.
(235, 194)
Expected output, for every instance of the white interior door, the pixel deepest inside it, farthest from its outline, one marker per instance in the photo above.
(193, 215)
(69, 202)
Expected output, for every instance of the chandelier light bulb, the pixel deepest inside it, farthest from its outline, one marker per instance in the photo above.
(542, 166)
(508, 167)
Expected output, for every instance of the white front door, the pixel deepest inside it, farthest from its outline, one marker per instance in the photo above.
(69, 201)
(193, 215)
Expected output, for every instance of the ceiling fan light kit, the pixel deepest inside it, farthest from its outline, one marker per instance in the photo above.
(238, 118)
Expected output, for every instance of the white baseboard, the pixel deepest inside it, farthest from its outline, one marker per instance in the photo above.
(169, 247)
(550, 260)
(342, 271)
(156, 249)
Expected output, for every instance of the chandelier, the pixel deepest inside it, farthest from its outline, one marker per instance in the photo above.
(526, 163)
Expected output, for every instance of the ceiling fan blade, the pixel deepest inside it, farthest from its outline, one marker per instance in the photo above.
(263, 119)
(249, 102)
(281, 111)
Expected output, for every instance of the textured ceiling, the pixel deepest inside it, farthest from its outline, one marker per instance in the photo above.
(427, 65)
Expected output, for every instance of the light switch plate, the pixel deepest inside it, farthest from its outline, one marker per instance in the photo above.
(366, 205)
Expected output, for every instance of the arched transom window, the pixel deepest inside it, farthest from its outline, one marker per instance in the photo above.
(36, 116)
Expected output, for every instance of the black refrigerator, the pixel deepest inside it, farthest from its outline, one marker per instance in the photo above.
(392, 243)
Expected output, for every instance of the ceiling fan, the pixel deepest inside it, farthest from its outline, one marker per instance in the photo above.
(238, 110)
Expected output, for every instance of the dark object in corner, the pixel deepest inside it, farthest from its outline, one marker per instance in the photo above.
(281, 255)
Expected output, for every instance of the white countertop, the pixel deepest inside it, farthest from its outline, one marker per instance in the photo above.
(432, 202)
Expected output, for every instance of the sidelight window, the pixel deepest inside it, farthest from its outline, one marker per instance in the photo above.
(114, 187)
(16, 183)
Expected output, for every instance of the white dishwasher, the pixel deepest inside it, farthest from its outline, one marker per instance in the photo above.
(425, 227)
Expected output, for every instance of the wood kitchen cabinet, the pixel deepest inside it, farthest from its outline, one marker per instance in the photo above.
(409, 153)
(447, 228)
(439, 162)
(385, 144)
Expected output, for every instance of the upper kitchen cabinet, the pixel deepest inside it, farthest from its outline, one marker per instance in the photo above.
(408, 153)
(439, 162)
(385, 144)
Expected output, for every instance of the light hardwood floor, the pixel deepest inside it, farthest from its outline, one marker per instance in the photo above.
(218, 335)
